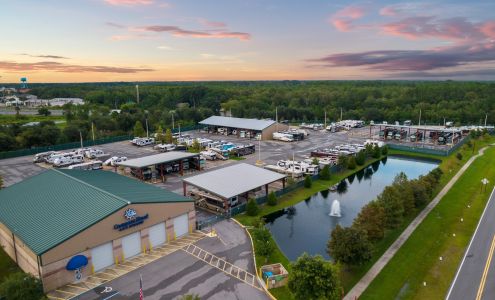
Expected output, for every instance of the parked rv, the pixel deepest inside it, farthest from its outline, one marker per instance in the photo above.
(165, 147)
(114, 160)
(41, 157)
(92, 165)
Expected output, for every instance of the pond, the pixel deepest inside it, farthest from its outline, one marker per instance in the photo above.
(306, 226)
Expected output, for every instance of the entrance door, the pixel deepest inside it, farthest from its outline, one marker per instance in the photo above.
(131, 245)
(102, 256)
(181, 225)
(157, 234)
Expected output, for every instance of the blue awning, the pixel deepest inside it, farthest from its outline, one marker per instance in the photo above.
(77, 262)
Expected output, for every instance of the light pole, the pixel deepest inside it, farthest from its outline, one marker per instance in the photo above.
(173, 121)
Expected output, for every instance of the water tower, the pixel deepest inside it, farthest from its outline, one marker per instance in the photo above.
(24, 84)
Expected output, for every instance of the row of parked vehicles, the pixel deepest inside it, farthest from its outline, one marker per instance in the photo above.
(64, 159)
(290, 135)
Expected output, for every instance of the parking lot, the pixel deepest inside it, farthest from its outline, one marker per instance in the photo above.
(16, 169)
(180, 273)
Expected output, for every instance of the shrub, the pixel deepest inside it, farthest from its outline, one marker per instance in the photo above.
(272, 199)
(252, 208)
(308, 182)
(351, 163)
(459, 155)
(315, 161)
(385, 150)
(21, 286)
(325, 173)
(360, 158)
(376, 152)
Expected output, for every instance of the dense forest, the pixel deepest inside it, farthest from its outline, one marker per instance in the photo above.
(296, 101)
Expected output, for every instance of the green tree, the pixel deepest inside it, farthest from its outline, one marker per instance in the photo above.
(168, 136)
(252, 208)
(44, 111)
(21, 286)
(160, 137)
(349, 245)
(308, 182)
(325, 173)
(138, 130)
(385, 150)
(312, 277)
(264, 244)
(404, 189)
(420, 192)
(360, 158)
(195, 147)
(351, 163)
(390, 200)
(376, 152)
(371, 219)
(315, 161)
(342, 161)
(272, 199)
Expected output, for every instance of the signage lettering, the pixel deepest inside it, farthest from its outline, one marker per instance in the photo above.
(138, 220)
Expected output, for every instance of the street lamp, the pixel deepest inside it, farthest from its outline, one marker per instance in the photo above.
(173, 121)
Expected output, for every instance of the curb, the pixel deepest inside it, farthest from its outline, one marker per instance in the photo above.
(254, 259)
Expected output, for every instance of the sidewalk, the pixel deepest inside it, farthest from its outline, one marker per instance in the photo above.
(366, 280)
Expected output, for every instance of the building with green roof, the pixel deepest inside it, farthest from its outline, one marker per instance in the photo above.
(62, 215)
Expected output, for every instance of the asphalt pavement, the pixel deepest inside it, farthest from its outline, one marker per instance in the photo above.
(475, 278)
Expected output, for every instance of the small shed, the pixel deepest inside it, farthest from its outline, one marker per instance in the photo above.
(274, 275)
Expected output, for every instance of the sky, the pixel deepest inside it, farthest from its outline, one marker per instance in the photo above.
(183, 40)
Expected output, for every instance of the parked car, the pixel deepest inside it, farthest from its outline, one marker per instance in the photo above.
(41, 157)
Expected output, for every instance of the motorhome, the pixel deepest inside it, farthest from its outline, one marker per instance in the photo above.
(114, 160)
(307, 169)
(51, 159)
(41, 157)
(144, 174)
(68, 160)
(449, 124)
(165, 147)
(283, 137)
(94, 153)
(145, 142)
(92, 165)
(374, 143)
(407, 123)
(209, 154)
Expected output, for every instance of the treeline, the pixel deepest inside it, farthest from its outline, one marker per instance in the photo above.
(354, 245)
(188, 103)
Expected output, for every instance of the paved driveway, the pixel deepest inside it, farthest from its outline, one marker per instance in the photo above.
(180, 273)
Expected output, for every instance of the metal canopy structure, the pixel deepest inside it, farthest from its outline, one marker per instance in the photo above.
(162, 158)
(235, 180)
(241, 123)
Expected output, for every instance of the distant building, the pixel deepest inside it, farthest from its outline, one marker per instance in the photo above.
(63, 101)
(35, 102)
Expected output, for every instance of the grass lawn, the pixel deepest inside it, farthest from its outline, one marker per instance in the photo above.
(7, 265)
(22, 119)
(418, 259)
(237, 158)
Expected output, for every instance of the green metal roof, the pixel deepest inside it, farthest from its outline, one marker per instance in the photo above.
(47, 209)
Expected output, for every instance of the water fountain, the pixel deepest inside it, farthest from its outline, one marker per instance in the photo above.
(335, 211)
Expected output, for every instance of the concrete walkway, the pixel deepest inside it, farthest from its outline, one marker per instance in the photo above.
(365, 281)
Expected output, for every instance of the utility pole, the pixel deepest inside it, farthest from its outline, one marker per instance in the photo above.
(276, 118)
(147, 134)
(173, 122)
(486, 118)
(80, 136)
(419, 122)
(341, 114)
(137, 93)
(325, 119)
(93, 131)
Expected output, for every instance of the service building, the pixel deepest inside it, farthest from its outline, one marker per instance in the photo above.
(243, 127)
(50, 218)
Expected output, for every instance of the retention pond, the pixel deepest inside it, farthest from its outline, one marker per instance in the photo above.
(306, 226)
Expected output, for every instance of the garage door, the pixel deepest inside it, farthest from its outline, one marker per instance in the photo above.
(181, 225)
(131, 245)
(157, 234)
(102, 256)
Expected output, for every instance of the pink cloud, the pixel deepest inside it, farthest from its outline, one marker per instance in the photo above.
(214, 24)
(389, 11)
(65, 68)
(177, 31)
(456, 29)
(488, 29)
(129, 2)
(343, 19)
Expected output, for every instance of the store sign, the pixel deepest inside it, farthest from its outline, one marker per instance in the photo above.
(133, 220)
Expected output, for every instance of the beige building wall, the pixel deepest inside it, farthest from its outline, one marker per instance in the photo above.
(267, 133)
(25, 258)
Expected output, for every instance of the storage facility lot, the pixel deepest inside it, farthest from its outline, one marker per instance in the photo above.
(180, 273)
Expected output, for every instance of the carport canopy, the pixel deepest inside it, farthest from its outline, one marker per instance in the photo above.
(235, 180)
(162, 158)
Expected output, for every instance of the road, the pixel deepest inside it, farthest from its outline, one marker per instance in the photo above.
(475, 277)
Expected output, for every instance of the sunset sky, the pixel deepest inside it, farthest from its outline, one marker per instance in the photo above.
(163, 40)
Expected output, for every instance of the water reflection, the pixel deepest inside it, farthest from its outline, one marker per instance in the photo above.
(305, 226)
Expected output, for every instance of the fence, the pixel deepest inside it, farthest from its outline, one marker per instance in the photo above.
(425, 150)
(59, 147)
(32, 151)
